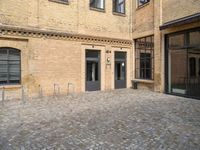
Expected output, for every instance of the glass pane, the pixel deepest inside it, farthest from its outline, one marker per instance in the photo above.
(144, 52)
(195, 38)
(14, 76)
(119, 6)
(142, 2)
(193, 87)
(92, 71)
(3, 54)
(192, 66)
(14, 68)
(97, 4)
(178, 71)
(14, 55)
(3, 66)
(3, 77)
(120, 70)
(176, 41)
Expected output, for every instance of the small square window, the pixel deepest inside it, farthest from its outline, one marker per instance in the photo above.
(142, 2)
(99, 4)
(119, 6)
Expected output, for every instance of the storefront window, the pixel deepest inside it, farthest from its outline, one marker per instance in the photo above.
(184, 63)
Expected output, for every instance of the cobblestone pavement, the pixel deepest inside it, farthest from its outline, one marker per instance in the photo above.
(120, 119)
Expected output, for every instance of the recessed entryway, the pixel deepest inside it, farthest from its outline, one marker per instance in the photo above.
(93, 75)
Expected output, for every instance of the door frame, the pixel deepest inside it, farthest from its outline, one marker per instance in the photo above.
(99, 67)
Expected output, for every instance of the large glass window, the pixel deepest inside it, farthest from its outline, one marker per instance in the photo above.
(183, 53)
(119, 6)
(144, 58)
(9, 66)
(99, 4)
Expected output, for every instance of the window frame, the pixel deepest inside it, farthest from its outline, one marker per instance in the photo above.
(144, 50)
(97, 8)
(115, 9)
(8, 81)
(141, 5)
(60, 1)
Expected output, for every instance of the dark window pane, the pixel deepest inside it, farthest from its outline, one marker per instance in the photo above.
(192, 62)
(3, 54)
(119, 6)
(176, 41)
(195, 38)
(142, 2)
(97, 4)
(9, 66)
(144, 58)
(92, 71)
(3, 77)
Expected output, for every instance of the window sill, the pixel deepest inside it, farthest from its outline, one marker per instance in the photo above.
(97, 9)
(12, 86)
(144, 81)
(144, 5)
(119, 14)
(61, 2)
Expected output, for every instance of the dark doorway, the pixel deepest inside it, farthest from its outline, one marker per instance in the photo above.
(120, 70)
(93, 75)
(183, 54)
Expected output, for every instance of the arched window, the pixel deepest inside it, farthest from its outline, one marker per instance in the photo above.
(192, 67)
(10, 66)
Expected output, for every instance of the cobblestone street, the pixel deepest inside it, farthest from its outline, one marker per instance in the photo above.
(120, 119)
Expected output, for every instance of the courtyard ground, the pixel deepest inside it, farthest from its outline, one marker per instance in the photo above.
(120, 119)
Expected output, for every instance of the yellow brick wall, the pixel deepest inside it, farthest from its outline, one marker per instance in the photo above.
(143, 20)
(76, 17)
(174, 9)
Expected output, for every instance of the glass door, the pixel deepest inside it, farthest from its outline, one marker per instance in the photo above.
(92, 70)
(120, 70)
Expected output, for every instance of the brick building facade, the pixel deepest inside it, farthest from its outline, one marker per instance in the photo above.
(49, 46)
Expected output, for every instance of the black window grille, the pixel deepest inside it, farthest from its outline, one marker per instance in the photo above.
(10, 62)
(119, 6)
(192, 63)
(99, 4)
(144, 58)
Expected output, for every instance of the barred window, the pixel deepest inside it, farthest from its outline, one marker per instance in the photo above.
(144, 54)
(10, 61)
(142, 2)
(119, 6)
(99, 4)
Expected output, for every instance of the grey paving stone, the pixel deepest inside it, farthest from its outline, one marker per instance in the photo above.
(121, 119)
